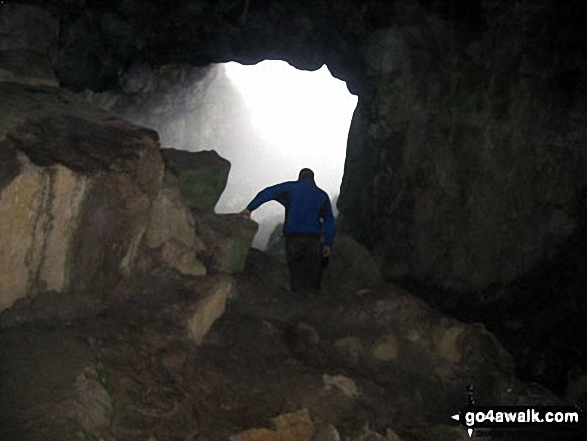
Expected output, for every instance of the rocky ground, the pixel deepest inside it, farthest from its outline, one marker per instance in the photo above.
(374, 365)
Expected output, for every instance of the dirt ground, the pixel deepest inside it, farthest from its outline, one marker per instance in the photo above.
(132, 374)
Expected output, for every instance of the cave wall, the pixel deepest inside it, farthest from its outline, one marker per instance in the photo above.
(465, 163)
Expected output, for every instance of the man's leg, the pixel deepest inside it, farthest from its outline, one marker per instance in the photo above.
(303, 258)
(293, 256)
(312, 261)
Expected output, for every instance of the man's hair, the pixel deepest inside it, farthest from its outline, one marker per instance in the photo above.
(306, 173)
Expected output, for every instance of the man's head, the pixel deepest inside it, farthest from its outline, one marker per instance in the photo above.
(306, 173)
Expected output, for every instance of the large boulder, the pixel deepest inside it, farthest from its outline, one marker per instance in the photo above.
(54, 388)
(201, 176)
(204, 302)
(28, 44)
(351, 267)
(76, 189)
(171, 231)
(395, 339)
(228, 239)
(294, 426)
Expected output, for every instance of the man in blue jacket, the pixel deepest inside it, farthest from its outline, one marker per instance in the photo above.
(308, 216)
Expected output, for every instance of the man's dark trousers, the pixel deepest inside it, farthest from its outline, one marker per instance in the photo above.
(304, 256)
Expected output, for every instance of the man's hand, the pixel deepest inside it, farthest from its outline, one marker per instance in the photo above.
(325, 251)
(246, 213)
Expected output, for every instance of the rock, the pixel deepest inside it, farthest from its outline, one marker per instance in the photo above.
(295, 426)
(257, 435)
(28, 45)
(76, 189)
(447, 342)
(170, 218)
(576, 392)
(93, 405)
(440, 432)
(386, 348)
(386, 51)
(213, 293)
(350, 348)
(307, 334)
(228, 239)
(390, 435)
(171, 231)
(26, 67)
(326, 432)
(343, 384)
(175, 254)
(412, 213)
(370, 435)
(276, 243)
(351, 267)
(201, 176)
(51, 385)
(173, 359)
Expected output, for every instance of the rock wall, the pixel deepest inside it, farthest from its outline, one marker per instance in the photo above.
(29, 39)
(465, 157)
(466, 165)
(76, 188)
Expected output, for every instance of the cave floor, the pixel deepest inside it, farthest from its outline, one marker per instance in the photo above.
(133, 374)
(137, 376)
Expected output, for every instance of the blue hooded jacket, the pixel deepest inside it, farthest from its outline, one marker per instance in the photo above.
(305, 206)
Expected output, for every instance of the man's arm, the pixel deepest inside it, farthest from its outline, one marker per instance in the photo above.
(268, 194)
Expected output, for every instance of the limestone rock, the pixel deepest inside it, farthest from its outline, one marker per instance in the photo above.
(26, 67)
(482, 208)
(343, 384)
(351, 267)
(170, 218)
(386, 348)
(276, 243)
(175, 254)
(212, 295)
(227, 238)
(370, 435)
(440, 432)
(295, 426)
(576, 392)
(326, 432)
(76, 187)
(447, 342)
(386, 51)
(307, 333)
(51, 385)
(172, 230)
(28, 45)
(390, 435)
(257, 435)
(350, 348)
(201, 176)
(92, 404)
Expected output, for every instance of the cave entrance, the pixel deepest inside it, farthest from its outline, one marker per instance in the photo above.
(281, 120)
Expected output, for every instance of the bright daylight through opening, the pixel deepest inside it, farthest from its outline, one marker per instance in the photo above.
(303, 118)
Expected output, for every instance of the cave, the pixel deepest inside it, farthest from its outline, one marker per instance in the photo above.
(458, 267)
(269, 120)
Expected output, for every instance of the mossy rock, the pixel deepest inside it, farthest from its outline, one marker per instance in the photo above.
(202, 189)
(202, 176)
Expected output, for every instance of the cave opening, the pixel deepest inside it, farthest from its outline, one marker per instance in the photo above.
(294, 119)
